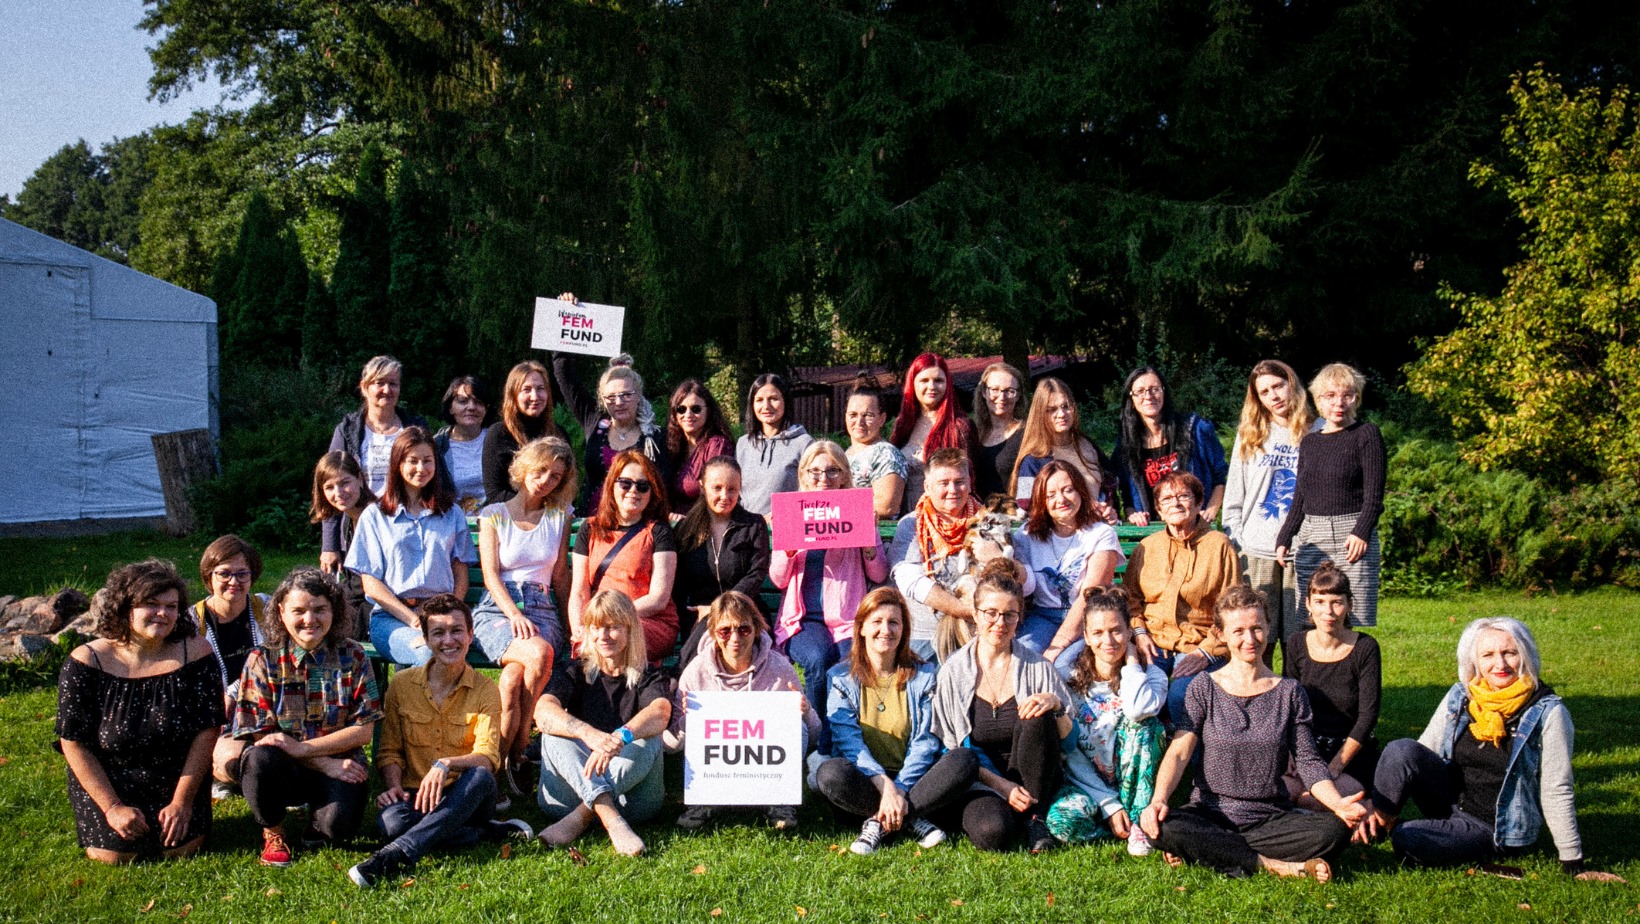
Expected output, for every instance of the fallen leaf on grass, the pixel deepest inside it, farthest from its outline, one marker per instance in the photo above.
(227, 898)
(506, 851)
(463, 887)
(148, 907)
(408, 883)
(1597, 628)
(272, 891)
(77, 883)
(1331, 905)
(1524, 906)
(1178, 888)
(717, 912)
(699, 870)
(1050, 899)
(801, 911)
(577, 857)
(7, 760)
(956, 903)
(186, 910)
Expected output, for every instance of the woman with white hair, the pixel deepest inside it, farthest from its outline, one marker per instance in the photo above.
(367, 434)
(1493, 766)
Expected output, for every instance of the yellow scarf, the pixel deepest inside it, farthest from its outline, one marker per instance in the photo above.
(1490, 710)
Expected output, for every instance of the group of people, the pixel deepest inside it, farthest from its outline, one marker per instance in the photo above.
(984, 673)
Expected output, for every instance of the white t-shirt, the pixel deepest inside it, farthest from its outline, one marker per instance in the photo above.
(1058, 562)
(378, 450)
(466, 462)
(528, 554)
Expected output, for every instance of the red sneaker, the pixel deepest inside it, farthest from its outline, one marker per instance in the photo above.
(275, 852)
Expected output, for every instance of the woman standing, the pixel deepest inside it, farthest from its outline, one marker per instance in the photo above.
(823, 589)
(367, 434)
(736, 656)
(1053, 431)
(460, 445)
(230, 620)
(997, 427)
(886, 765)
(523, 550)
(339, 499)
(1340, 493)
(721, 547)
(1250, 725)
(1341, 671)
(769, 450)
(998, 698)
(1066, 550)
(929, 421)
(695, 433)
(1275, 416)
(628, 546)
(138, 711)
(526, 416)
(873, 462)
(1111, 774)
(307, 707)
(1156, 439)
(600, 723)
(412, 544)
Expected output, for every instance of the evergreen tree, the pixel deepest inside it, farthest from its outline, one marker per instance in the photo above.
(363, 319)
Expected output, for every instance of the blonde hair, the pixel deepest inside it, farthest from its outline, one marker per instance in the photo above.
(379, 367)
(983, 421)
(620, 367)
(611, 607)
(1254, 428)
(831, 451)
(1334, 375)
(538, 455)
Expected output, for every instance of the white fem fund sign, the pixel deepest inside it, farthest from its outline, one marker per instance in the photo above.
(577, 327)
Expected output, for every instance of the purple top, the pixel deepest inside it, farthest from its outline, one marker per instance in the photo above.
(1247, 743)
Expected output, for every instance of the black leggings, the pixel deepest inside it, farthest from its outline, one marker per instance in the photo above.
(1205, 837)
(986, 819)
(273, 780)
(852, 791)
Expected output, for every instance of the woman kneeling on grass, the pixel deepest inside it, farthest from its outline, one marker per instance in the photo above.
(886, 764)
(1111, 774)
(308, 705)
(601, 721)
(441, 727)
(737, 655)
(1250, 724)
(1493, 767)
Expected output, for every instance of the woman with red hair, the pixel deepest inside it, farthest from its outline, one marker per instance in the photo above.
(929, 420)
(628, 545)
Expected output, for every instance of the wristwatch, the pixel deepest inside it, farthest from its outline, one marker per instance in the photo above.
(441, 765)
(625, 733)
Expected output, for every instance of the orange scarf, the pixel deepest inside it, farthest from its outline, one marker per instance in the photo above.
(1490, 710)
(938, 535)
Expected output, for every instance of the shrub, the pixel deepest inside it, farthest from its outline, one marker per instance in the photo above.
(267, 475)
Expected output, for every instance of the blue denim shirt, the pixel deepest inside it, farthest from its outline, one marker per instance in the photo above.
(843, 712)
(1537, 786)
(414, 556)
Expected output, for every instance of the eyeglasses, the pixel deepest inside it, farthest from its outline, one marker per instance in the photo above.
(620, 397)
(634, 485)
(1338, 397)
(1007, 616)
(1154, 391)
(683, 409)
(1174, 500)
(1003, 392)
(232, 577)
(728, 632)
(823, 474)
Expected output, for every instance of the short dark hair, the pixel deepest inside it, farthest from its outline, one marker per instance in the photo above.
(129, 585)
(315, 583)
(480, 391)
(224, 548)
(444, 605)
(951, 457)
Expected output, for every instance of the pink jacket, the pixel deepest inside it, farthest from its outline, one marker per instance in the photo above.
(846, 578)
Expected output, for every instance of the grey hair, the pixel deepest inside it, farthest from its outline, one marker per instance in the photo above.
(620, 367)
(1531, 665)
(379, 367)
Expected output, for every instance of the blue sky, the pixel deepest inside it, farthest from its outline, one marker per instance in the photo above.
(72, 69)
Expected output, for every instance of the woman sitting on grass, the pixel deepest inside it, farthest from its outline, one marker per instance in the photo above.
(886, 765)
(440, 734)
(307, 708)
(736, 655)
(601, 721)
(1111, 773)
(1250, 725)
(1493, 767)
(138, 711)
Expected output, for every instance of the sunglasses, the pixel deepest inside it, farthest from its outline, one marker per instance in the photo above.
(683, 409)
(728, 632)
(635, 485)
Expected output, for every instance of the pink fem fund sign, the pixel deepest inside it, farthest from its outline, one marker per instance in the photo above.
(842, 519)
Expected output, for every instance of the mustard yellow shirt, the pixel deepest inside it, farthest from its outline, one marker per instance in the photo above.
(885, 723)
(415, 732)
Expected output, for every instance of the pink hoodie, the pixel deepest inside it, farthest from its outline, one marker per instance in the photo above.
(846, 578)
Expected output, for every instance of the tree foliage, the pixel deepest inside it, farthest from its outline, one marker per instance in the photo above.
(90, 200)
(1545, 375)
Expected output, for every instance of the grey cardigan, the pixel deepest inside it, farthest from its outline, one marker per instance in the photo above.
(959, 676)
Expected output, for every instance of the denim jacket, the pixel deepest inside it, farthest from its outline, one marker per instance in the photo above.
(843, 712)
(1537, 786)
(1206, 462)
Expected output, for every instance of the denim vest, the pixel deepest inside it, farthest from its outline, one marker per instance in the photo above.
(1519, 811)
(843, 712)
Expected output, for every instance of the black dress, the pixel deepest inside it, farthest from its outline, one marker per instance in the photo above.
(140, 730)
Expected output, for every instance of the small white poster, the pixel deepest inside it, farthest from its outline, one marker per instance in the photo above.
(577, 327)
(743, 749)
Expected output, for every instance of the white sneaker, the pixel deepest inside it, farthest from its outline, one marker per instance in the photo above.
(814, 760)
(926, 832)
(1138, 842)
(871, 837)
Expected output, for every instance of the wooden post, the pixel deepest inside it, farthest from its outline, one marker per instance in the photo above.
(183, 457)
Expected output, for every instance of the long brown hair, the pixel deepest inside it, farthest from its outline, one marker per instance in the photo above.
(1085, 672)
(333, 463)
(438, 496)
(1255, 424)
(984, 423)
(512, 418)
(1039, 440)
(905, 662)
(1038, 522)
(677, 445)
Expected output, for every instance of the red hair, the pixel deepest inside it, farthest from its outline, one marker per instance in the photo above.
(606, 519)
(951, 427)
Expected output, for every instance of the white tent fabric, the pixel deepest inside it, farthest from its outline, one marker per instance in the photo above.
(97, 357)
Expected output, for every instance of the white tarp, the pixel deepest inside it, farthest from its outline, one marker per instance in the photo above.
(97, 358)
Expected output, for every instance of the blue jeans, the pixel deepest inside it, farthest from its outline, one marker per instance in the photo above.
(459, 820)
(400, 643)
(813, 649)
(1037, 629)
(1408, 771)
(635, 778)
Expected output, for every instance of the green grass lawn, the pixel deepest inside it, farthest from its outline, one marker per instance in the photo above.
(745, 874)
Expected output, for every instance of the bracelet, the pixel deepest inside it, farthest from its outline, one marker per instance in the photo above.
(440, 766)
